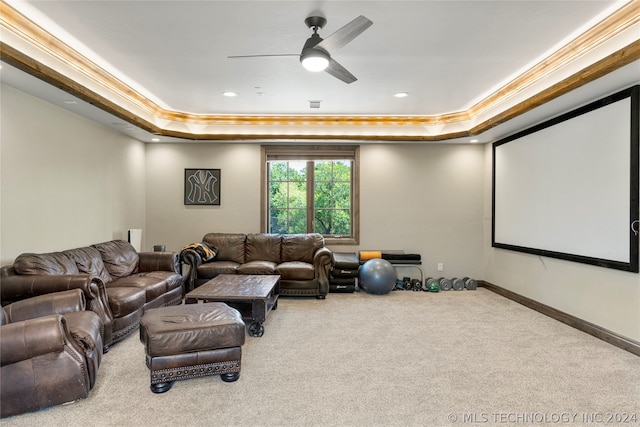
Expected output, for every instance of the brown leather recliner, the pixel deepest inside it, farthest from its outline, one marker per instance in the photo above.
(50, 351)
(119, 283)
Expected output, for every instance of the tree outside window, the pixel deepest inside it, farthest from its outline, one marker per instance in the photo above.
(332, 197)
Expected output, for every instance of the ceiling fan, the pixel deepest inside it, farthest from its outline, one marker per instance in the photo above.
(316, 53)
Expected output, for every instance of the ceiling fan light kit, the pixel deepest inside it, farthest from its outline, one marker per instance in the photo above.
(314, 60)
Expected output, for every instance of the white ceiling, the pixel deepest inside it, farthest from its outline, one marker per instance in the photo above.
(447, 55)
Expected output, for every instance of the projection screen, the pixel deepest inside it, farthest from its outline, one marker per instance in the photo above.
(568, 188)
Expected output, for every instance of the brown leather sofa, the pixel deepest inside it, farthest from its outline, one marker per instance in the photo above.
(119, 283)
(301, 260)
(50, 351)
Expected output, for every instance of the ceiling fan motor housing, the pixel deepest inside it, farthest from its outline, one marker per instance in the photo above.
(315, 22)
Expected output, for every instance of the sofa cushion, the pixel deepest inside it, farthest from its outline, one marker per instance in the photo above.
(263, 247)
(152, 286)
(173, 280)
(119, 257)
(89, 261)
(230, 246)
(53, 263)
(257, 267)
(301, 247)
(296, 270)
(212, 269)
(124, 301)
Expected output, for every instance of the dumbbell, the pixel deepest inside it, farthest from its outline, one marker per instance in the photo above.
(445, 284)
(416, 284)
(431, 285)
(457, 284)
(470, 283)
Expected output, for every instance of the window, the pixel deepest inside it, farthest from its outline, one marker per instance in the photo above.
(311, 189)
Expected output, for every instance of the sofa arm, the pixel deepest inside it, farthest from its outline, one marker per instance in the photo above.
(193, 259)
(322, 266)
(44, 305)
(322, 259)
(18, 287)
(30, 338)
(159, 261)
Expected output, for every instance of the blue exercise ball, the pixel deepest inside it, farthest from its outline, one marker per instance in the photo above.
(377, 276)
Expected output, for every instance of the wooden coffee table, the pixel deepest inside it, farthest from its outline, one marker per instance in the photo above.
(254, 296)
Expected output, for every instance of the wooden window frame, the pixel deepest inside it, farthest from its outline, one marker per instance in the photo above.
(314, 152)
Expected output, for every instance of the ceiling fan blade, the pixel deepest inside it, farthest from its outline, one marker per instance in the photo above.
(263, 56)
(339, 72)
(345, 34)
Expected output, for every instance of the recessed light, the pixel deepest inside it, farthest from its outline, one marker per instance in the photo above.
(229, 94)
(70, 101)
(401, 94)
(155, 139)
(474, 140)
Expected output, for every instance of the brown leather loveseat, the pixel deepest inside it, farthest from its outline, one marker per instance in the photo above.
(50, 351)
(301, 260)
(119, 283)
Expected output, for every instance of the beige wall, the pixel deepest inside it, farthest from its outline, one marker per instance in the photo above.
(424, 199)
(66, 181)
(173, 224)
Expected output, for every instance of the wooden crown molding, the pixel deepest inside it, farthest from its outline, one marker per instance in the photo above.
(25, 29)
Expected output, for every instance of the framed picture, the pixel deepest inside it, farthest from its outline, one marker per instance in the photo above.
(202, 186)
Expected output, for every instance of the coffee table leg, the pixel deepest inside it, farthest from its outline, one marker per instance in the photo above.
(256, 329)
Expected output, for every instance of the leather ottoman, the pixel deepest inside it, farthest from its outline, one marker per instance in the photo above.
(192, 341)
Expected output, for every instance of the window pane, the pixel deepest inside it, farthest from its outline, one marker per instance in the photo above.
(342, 170)
(342, 195)
(323, 171)
(322, 222)
(297, 195)
(297, 221)
(322, 195)
(277, 171)
(278, 221)
(333, 222)
(297, 171)
(278, 195)
(342, 222)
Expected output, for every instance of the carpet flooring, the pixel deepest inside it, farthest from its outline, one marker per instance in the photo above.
(401, 359)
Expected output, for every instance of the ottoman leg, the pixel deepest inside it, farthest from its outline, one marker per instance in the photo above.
(161, 387)
(230, 377)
